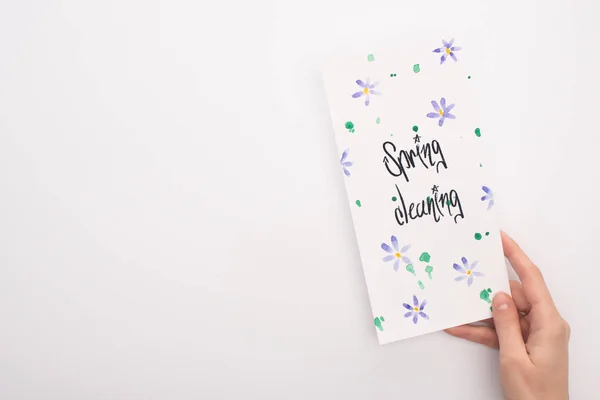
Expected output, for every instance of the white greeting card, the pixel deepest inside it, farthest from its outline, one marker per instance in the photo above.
(408, 130)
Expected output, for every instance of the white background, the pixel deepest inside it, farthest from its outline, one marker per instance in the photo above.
(173, 222)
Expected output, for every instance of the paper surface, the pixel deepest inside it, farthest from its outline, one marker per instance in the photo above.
(409, 131)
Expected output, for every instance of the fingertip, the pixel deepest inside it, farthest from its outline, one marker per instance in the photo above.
(458, 331)
(508, 328)
(451, 331)
(502, 301)
(508, 243)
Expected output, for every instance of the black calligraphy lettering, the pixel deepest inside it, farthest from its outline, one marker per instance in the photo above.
(455, 201)
(396, 161)
(398, 165)
(437, 149)
(429, 207)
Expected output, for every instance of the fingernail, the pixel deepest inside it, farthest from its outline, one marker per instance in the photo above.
(501, 301)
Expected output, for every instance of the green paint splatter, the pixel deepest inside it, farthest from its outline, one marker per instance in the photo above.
(410, 269)
(378, 322)
(478, 132)
(358, 203)
(421, 285)
(428, 199)
(480, 164)
(478, 235)
(378, 120)
(416, 68)
(485, 295)
(429, 270)
(394, 198)
(425, 257)
(469, 77)
(371, 58)
(350, 126)
(392, 75)
(415, 128)
(447, 202)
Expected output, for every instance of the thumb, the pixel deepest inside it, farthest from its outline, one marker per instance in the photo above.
(508, 328)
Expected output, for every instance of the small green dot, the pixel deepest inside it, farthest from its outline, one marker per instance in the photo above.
(487, 234)
(480, 164)
(349, 125)
(447, 202)
(478, 236)
(469, 77)
(428, 199)
(371, 57)
(415, 128)
(358, 203)
(394, 198)
(378, 120)
(478, 132)
(416, 68)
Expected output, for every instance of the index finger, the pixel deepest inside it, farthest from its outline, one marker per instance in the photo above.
(534, 287)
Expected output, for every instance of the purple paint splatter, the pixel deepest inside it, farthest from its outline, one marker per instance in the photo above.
(367, 90)
(345, 164)
(416, 310)
(489, 195)
(467, 271)
(442, 111)
(448, 49)
(396, 253)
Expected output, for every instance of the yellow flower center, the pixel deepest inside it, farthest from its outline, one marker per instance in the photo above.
(468, 272)
(448, 50)
(441, 112)
(398, 255)
(416, 309)
(366, 91)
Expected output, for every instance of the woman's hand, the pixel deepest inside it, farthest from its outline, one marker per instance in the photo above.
(532, 336)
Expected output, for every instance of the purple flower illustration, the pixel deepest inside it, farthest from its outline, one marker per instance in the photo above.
(395, 253)
(416, 310)
(367, 90)
(447, 50)
(442, 111)
(345, 164)
(489, 195)
(466, 271)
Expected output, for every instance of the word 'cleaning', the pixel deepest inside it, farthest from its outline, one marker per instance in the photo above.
(434, 207)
